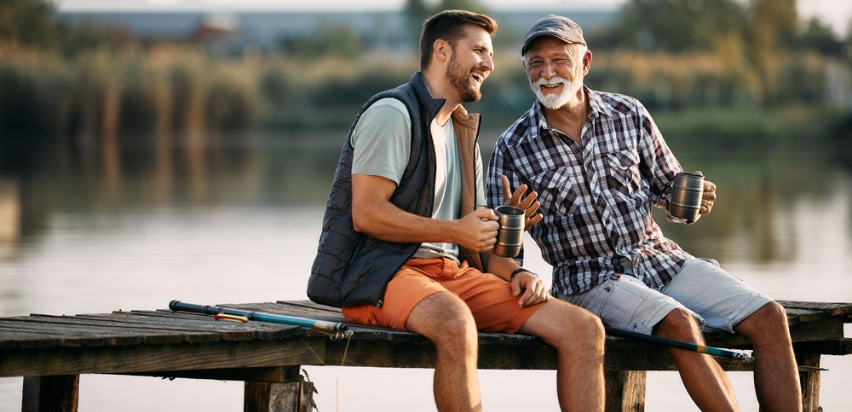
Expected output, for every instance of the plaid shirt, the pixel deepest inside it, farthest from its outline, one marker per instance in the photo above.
(596, 199)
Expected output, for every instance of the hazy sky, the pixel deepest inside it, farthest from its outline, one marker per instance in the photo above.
(836, 13)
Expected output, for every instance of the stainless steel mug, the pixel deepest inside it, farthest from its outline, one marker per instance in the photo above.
(686, 196)
(510, 236)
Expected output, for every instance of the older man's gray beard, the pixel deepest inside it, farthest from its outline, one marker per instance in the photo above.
(553, 101)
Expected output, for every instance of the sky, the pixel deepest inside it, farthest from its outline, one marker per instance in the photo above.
(836, 13)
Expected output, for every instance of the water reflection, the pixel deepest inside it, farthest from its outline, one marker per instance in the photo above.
(10, 212)
(132, 225)
(750, 222)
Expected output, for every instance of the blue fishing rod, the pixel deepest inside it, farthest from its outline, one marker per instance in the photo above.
(336, 329)
(723, 353)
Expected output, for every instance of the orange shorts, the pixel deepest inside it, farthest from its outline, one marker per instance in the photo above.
(488, 296)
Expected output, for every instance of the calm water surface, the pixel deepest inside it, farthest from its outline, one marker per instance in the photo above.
(91, 229)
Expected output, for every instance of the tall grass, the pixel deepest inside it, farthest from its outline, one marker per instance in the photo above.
(179, 89)
(103, 93)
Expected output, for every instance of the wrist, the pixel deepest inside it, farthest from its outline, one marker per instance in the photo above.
(519, 270)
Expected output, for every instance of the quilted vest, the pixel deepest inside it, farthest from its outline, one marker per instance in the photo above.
(353, 268)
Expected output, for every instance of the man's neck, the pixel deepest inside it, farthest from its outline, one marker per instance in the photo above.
(570, 118)
(438, 88)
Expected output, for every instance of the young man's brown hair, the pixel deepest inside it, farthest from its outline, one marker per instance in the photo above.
(449, 25)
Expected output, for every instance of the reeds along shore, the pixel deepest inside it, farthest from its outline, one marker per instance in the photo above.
(171, 88)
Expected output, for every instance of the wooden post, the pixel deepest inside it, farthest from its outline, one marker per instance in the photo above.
(278, 397)
(625, 390)
(809, 381)
(50, 393)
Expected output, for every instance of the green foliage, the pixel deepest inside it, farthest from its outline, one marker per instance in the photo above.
(819, 37)
(470, 5)
(705, 55)
(330, 40)
(27, 22)
(673, 25)
(74, 40)
(231, 103)
(418, 11)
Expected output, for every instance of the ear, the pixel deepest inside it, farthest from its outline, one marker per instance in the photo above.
(441, 50)
(587, 62)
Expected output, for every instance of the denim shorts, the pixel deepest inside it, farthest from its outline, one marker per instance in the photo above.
(715, 297)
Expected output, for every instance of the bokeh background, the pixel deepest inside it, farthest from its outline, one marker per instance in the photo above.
(153, 150)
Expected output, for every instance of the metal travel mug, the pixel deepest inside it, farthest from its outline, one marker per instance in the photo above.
(686, 196)
(510, 236)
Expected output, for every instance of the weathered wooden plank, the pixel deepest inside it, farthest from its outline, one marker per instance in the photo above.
(837, 347)
(308, 309)
(309, 305)
(803, 331)
(273, 374)
(833, 309)
(370, 346)
(228, 330)
(129, 329)
(173, 357)
(73, 334)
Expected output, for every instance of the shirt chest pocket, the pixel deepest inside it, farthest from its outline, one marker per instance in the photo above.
(622, 173)
(556, 193)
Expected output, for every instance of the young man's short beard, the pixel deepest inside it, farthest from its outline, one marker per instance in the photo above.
(553, 101)
(460, 79)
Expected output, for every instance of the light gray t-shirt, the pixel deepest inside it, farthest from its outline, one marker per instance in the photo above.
(382, 142)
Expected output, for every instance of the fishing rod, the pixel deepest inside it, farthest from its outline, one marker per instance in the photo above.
(724, 353)
(337, 330)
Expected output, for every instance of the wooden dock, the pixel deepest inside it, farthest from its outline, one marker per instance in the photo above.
(50, 352)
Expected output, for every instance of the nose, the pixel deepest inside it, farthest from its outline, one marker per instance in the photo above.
(488, 63)
(547, 70)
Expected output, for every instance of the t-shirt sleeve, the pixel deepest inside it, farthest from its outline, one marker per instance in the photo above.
(382, 140)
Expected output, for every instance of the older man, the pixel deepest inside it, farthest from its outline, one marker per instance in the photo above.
(406, 223)
(598, 163)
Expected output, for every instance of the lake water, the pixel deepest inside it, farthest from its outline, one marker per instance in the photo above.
(89, 228)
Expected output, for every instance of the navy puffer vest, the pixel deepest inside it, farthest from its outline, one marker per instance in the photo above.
(353, 268)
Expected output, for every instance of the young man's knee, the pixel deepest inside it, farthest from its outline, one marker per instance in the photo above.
(457, 326)
(582, 327)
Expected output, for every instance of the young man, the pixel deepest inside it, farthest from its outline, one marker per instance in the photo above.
(406, 222)
(598, 162)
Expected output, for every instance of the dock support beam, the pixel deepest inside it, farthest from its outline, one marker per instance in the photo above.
(50, 393)
(809, 381)
(625, 390)
(278, 397)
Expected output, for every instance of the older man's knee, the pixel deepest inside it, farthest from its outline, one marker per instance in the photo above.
(770, 321)
(679, 324)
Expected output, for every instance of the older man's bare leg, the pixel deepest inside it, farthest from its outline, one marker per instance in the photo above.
(776, 378)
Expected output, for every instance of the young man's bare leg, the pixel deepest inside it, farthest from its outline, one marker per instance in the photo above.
(776, 377)
(578, 337)
(445, 320)
(705, 381)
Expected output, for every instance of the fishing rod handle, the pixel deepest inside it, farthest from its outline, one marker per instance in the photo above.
(176, 305)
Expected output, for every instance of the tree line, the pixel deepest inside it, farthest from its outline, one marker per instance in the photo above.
(675, 55)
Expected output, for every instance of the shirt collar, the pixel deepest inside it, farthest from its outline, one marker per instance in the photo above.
(596, 105)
